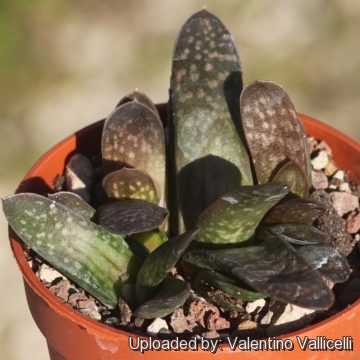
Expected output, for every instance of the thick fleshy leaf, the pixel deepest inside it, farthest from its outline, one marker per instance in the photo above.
(234, 217)
(301, 211)
(141, 98)
(299, 234)
(133, 137)
(275, 268)
(151, 239)
(172, 293)
(206, 82)
(293, 175)
(131, 216)
(74, 202)
(308, 166)
(234, 287)
(158, 264)
(272, 128)
(130, 184)
(328, 261)
(84, 252)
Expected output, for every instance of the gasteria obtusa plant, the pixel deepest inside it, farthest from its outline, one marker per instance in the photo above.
(237, 183)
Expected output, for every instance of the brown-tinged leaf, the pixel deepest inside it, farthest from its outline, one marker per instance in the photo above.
(131, 216)
(301, 211)
(159, 263)
(299, 234)
(272, 128)
(274, 268)
(206, 82)
(133, 137)
(171, 294)
(328, 261)
(96, 260)
(293, 175)
(234, 217)
(141, 98)
(130, 184)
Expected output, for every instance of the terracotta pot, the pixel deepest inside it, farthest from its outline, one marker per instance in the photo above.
(71, 335)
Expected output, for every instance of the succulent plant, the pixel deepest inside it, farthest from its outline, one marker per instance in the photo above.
(237, 183)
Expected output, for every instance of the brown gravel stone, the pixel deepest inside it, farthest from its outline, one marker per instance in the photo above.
(319, 180)
(125, 312)
(353, 222)
(344, 202)
(181, 323)
(81, 301)
(61, 290)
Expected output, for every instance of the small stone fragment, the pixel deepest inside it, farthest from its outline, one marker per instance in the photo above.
(48, 274)
(80, 301)
(292, 319)
(61, 290)
(155, 327)
(248, 328)
(353, 222)
(325, 147)
(339, 175)
(92, 314)
(320, 161)
(212, 334)
(201, 310)
(125, 312)
(216, 322)
(181, 323)
(330, 168)
(345, 187)
(344, 202)
(254, 307)
(266, 320)
(79, 176)
(319, 179)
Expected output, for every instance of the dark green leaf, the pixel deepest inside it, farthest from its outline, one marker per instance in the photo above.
(84, 252)
(131, 216)
(172, 293)
(130, 184)
(328, 261)
(234, 287)
(272, 128)
(158, 264)
(300, 234)
(206, 82)
(234, 216)
(301, 211)
(137, 248)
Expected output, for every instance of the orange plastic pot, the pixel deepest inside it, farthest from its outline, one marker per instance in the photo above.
(73, 336)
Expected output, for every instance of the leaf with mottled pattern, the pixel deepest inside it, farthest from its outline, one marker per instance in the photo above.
(133, 137)
(204, 124)
(131, 216)
(274, 268)
(298, 234)
(293, 175)
(130, 184)
(96, 260)
(234, 217)
(141, 98)
(301, 211)
(272, 128)
(328, 261)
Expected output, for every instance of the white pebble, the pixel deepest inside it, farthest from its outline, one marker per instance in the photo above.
(292, 319)
(320, 161)
(255, 306)
(47, 274)
(339, 175)
(156, 326)
(345, 187)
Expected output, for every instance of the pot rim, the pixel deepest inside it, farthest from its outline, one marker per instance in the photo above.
(96, 328)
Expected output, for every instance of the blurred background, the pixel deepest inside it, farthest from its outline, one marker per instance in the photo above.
(65, 64)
